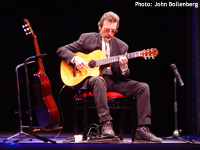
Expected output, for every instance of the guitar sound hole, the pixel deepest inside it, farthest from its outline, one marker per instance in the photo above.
(92, 64)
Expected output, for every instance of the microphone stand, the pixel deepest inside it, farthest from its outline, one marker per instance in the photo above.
(176, 133)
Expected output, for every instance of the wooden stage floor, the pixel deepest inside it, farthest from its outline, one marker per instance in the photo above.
(66, 141)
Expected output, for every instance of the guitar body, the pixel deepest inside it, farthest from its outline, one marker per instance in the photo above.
(46, 109)
(67, 71)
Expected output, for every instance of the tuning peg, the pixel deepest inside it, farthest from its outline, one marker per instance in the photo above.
(28, 33)
(24, 26)
(152, 57)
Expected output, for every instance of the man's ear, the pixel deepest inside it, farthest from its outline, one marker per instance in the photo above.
(99, 26)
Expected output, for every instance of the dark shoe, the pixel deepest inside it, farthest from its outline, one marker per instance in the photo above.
(143, 134)
(107, 129)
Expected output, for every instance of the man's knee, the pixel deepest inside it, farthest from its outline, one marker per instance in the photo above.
(99, 78)
(144, 85)
(98, 81)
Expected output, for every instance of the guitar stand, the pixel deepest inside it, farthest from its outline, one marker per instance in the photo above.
(176, 133)
(21, 132)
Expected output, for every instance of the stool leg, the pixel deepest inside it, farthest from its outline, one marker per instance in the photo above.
(133, 120)
(85, 119)
(75, 119)
(121, 125)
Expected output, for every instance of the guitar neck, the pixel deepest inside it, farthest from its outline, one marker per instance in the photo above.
(113, 59)
(41, 70)
(29, 31)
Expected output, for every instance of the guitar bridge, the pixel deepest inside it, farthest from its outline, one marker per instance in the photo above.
(74, 72)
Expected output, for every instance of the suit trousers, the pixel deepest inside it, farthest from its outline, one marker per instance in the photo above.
(100, 85)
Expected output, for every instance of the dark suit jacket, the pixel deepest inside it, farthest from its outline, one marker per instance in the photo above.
(89, 42)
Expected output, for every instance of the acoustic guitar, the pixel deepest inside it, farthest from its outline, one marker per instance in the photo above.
(47, 113)
(72, 76)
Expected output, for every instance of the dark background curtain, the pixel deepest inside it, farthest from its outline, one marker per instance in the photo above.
(193, 102)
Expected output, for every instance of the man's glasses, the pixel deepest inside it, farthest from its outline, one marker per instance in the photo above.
(114, 31)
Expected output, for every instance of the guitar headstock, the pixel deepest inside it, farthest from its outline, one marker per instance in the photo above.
(27, 28)
(149, 53)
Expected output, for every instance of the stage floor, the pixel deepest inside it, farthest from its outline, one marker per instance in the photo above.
(66, 140)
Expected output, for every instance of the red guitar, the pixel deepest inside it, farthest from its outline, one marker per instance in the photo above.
(46, 109)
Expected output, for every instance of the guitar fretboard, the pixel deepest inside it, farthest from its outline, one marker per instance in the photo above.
(113, 59)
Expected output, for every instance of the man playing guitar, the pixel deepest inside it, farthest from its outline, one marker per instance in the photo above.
(114, 77)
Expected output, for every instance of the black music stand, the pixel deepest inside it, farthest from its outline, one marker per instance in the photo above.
(21, 132)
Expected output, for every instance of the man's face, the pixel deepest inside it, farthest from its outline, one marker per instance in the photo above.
(108, 30)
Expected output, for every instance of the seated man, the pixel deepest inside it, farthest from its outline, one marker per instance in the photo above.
(114, 77)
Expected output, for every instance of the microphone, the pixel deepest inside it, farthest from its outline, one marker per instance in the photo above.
(173, 66)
